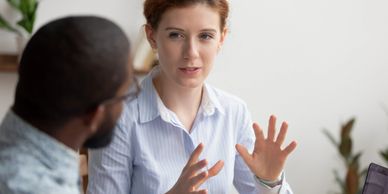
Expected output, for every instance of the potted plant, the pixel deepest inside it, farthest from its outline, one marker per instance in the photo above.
(350, 183)
(24, 27)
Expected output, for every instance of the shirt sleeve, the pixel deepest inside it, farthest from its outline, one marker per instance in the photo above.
(244, 180)
(110, 168)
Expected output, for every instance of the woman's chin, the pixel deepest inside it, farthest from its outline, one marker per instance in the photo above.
(191, 83)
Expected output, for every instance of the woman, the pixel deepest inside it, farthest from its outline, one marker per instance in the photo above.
(179, 125)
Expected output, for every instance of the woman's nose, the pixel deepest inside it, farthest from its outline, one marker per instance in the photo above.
(191, 50)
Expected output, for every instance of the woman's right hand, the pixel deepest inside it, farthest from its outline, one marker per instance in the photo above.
(191, 177)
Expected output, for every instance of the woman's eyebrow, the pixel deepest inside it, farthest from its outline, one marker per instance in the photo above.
(180, 29)
(209, 30)
(174, 28)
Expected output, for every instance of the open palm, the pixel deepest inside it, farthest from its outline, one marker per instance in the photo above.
(268, 158)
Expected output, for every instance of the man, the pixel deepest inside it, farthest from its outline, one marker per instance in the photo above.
(73, 78)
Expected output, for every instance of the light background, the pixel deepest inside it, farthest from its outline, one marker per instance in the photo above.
(313, 63)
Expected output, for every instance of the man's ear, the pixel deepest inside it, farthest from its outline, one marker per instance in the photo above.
(150, 36)
(94, 118)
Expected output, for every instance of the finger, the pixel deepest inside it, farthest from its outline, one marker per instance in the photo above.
(195, 155)
(191, 171)
(242, 150)
(204, 191)
(258, 132)
(271, 128)
(291, 147)
(214, 170)
(282, 133)
(197, 180)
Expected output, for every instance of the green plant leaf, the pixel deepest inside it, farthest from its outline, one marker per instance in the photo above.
(339, 181)
(345, 148)
(27, 7)
(28, 10)
(26, 24)
(384, 154)
(330, 137)
(347, 128)
(355, 161)
(14, 3)
(4, 24)
(363, 172)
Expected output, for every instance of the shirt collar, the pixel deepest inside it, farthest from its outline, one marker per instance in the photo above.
(210, 101)
(148, 107)
(151, 106)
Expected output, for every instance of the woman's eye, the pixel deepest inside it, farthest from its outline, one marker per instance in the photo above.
(206, 36)
(175, 35)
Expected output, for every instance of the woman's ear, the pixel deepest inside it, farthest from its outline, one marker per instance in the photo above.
(94, 119)
(150, 36)
(224, 33)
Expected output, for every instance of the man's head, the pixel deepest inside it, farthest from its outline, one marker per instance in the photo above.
(70, 70)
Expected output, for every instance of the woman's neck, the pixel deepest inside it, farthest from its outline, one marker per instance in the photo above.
(183, 101)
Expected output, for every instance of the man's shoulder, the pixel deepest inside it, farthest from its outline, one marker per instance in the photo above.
(18, 174)
(23, 174)
(22, 184)
(15, 159)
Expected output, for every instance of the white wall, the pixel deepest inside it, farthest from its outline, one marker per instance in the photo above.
(124, 12)
(313, 63)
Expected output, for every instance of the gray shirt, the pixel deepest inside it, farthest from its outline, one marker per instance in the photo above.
(31, 162)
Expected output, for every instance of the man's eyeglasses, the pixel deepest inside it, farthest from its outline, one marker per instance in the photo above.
(133, 92)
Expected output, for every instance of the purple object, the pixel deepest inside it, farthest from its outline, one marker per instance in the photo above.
(376, 180)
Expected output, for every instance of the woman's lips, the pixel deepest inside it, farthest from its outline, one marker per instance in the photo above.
(190, 70)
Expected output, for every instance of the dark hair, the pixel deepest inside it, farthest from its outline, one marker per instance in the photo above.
(68, 67)
(154, 9)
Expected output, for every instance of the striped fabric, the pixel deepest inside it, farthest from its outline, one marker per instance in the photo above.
(151, 147)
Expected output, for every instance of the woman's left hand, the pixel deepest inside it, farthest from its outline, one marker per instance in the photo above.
(268, 158)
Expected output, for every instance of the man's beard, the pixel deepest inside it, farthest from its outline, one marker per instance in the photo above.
(104, 134)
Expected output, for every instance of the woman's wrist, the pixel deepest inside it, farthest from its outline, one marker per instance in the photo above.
(270, 183)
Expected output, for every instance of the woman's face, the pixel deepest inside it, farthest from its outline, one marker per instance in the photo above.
(187, 41)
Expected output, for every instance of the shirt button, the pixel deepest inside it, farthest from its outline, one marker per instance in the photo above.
(209, 111)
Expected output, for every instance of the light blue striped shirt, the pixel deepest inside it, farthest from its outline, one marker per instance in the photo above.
(151, 147)
(31, 162)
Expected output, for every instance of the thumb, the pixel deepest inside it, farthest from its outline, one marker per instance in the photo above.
(243, 151)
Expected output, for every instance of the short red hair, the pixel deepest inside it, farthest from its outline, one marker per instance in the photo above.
(154, 9)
